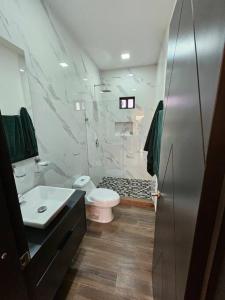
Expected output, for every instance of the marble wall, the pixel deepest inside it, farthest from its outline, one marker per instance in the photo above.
(59, 95)
(122, 146)
(76, 124)
(161, 69)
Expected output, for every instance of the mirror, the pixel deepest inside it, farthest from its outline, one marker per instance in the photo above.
(15, 103)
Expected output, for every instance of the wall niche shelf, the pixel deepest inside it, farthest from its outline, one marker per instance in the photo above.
(124, 128)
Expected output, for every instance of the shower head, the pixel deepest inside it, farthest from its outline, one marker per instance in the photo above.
(103, 90)
(106, 91)
(100, 84)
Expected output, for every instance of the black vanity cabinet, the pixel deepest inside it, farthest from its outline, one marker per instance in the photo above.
(53, 248)
(35, 260)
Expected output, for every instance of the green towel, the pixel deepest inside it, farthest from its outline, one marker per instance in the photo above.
(20, 136)
(14, 136)
(157, 143)
(31, 148)
(153, 141)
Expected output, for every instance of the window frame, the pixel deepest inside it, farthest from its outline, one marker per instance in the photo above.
(127, 99)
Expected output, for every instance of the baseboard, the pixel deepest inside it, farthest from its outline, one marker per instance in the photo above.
(142, 203)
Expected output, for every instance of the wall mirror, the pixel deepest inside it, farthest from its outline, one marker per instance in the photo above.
(15, 103)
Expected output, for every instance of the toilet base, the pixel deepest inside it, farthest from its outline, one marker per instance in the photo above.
(99, 214)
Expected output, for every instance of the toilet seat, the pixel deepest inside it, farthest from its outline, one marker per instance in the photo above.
(103, 197)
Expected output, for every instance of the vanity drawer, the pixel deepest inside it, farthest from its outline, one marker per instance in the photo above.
(52, 278)
(41, 261)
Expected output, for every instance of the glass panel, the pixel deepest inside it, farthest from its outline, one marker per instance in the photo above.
(131, 103)
(123, 103)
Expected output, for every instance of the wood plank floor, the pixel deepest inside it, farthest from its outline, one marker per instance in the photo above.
(114, 260)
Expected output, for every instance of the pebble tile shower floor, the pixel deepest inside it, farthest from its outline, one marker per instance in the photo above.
(133, 188)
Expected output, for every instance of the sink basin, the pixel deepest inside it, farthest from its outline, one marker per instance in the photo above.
(41, 204)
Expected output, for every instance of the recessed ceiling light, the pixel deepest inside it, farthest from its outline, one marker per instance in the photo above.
(125, 55)
(22, 70)
(85, 79)
(131, 74)
(63, 65)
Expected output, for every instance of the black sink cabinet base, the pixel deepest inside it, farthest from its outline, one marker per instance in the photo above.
(53, 248)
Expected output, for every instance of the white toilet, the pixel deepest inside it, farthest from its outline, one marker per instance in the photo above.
(99, 202)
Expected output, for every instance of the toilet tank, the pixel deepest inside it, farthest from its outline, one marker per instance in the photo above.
(84, 183)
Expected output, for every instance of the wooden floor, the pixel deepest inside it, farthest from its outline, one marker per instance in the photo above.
(115, 260)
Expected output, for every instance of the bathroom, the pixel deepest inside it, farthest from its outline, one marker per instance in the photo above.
(91, 84)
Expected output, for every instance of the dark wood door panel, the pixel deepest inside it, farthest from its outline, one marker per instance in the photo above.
(210, 34)
(183, 117)
(159, 222)
(166, 141)
(212, 205)
(167, 197)
(173, 34)
(166, 144)
(158, 275)
(164, 254)
(192, 93)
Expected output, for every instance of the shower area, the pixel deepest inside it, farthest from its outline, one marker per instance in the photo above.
(117, 157)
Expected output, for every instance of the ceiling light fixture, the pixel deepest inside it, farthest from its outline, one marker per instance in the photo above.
(131, 74)
(22, 70)
(85, 79)
(63, 65)
(125, 56)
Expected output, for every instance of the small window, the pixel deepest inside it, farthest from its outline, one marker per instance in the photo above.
(127, 102)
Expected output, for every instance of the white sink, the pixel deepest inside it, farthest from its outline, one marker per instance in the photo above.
(41, 204)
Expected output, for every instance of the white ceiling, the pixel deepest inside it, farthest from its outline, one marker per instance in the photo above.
(106, 28)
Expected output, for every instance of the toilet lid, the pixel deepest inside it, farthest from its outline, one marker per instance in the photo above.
(103, 195)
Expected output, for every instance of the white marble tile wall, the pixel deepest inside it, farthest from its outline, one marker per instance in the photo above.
(123, 154)
(55, 92)
(161, 69)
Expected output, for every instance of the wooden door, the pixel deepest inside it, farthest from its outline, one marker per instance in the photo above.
(13, 243)
(11, 197)
(184, 117)
(173, 35)
(164, 261)
(209, 23)
(187, 122)
(12, 285)
(192, 150)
